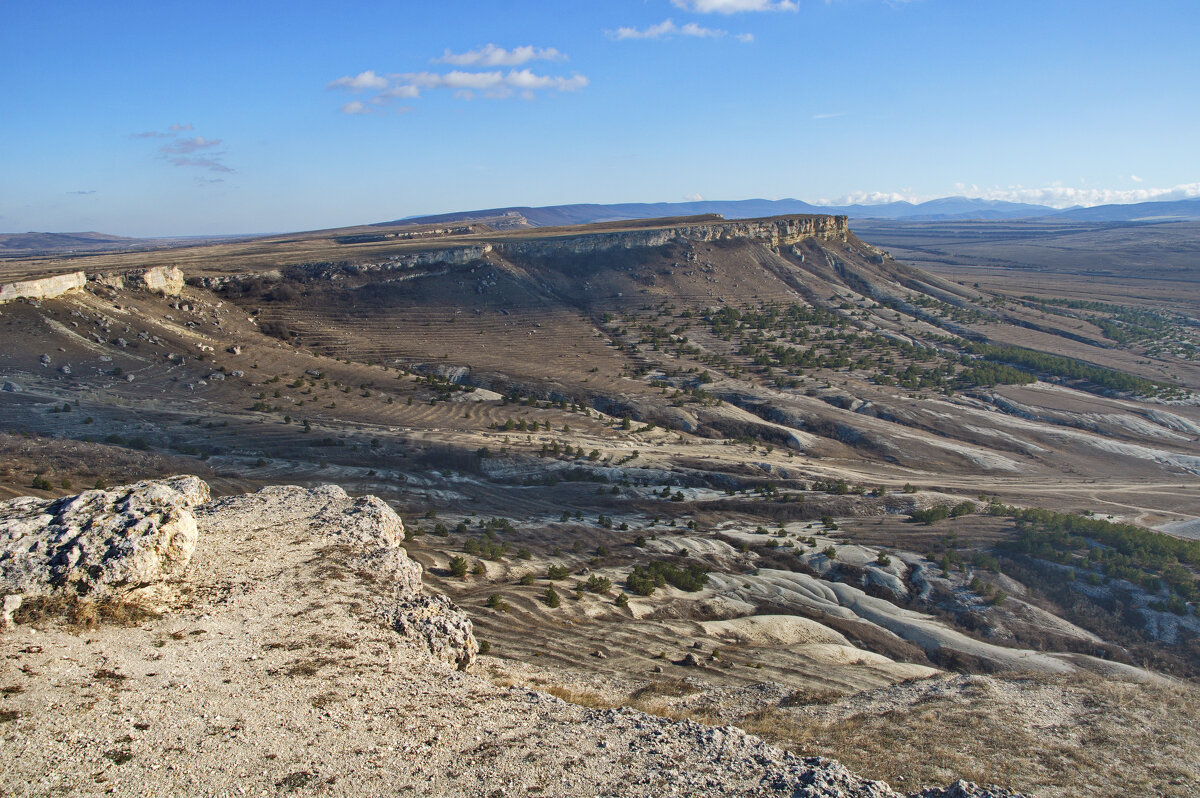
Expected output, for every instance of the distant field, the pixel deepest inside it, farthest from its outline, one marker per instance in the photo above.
(1141, 251)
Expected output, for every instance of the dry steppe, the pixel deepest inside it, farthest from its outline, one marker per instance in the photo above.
(771, 475)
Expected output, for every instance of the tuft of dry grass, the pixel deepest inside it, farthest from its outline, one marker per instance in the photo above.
(80, 613)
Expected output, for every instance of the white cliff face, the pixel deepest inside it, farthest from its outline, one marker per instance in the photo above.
(775, 232)
(44, 288)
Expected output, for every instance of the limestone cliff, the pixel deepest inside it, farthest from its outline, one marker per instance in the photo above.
(774, 232)
(44, 288)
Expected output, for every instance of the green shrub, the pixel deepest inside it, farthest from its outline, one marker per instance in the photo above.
(598, 584)
(643, 580)
(458, 566)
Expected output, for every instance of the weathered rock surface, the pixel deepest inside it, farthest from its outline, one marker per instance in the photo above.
(367, 534)
(163, 279)
(129, 542)
(435, 624)
(44, 288)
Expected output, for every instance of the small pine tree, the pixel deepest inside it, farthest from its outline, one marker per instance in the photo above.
(551, 597)
(458, 566)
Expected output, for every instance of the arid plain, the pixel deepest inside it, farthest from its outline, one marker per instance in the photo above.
(934, 515)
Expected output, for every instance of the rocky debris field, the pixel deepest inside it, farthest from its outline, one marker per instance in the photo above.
(296, 658)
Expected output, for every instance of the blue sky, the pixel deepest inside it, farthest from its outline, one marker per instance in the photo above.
(164, 118)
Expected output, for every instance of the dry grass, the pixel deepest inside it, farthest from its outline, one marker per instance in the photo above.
(1116, 738)
(80, 613)
(1050, 736)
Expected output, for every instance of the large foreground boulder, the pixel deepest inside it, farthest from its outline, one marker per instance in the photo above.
(128, 543)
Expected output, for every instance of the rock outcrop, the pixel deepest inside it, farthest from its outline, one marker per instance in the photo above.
(43, 288)
(166, 280)
(135, 542)
(366, 534)
(129, 543)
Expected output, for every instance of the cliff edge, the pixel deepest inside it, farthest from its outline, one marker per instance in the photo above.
(296, 653)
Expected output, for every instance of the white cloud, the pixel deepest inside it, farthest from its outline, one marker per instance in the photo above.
(464, 84)
(177, 128)
(1136, 179)
(745, 38)
(870, 198)
(693, 197)
(1054, 196)
(734, 6)
(407, 92)
(828, 116)
(360, 82)
(490, 55)
(668, 28)
(1057, 196)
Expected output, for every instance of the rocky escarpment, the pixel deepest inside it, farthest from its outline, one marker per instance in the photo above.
(775, 232)
(43, 288)
(166, 280)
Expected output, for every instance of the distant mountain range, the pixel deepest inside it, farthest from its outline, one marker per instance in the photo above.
(944, 209)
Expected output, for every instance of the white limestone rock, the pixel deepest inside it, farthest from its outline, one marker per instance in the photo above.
(44, 288)
(130, 542)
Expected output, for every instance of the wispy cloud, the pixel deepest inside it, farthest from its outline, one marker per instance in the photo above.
(1136, 179)
(210, 164)
(829, 116)
(186, 146)
(491, 56)
(668, 28)
(693, 197)
(83, 193)
(463, 84)
(180, 150)
(734, 6)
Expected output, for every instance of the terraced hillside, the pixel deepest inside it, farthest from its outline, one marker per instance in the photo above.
(687, 457)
